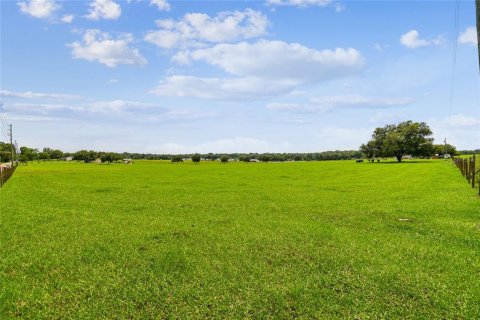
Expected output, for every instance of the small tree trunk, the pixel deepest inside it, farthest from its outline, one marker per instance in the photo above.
(399, 158)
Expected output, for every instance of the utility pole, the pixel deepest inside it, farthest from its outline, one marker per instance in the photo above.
(445, 152)
(11, 143)
(17, 151)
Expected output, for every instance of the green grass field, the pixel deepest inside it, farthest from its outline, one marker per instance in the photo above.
(154, 240)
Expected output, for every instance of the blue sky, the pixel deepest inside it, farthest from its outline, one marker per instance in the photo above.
(235, 76)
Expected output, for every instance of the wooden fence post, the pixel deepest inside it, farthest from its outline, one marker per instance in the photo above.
(473, 171)
(465, 161)
(469, 162)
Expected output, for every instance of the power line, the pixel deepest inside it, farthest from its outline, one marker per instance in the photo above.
(454, 54)
(4, 132)
(477, 2)
(3, 124)
(3, 128)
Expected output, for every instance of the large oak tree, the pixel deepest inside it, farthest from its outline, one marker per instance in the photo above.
(397, 140)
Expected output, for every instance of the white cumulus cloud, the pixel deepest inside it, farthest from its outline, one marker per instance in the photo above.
(37, 95)
(41, 108)
(119, 105)
(458, 121)
(222, 88)
(39, 8)
(412, 40)
(99, 46)
(359, 101)
(161, 4)
(259, 70)
(104, 9)
(68, 18)
(339, 7)
(461, 130)
(195, 29)
(108, 107)
(328, 103)
(281, 60)
(299, 3)
(283, 106)
(469, 36)
(226, 145)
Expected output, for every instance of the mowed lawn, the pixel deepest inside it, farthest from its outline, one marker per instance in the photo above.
(154, 240)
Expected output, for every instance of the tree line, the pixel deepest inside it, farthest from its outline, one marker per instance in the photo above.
(393, 140)
(32, 154)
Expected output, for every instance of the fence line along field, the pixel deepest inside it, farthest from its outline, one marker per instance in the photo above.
(6, 173)
(156, 240)
(469, 166)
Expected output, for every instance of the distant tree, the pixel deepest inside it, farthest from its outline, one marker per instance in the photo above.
(211, 156)
(476, 151)
(224, 159)
(29, 153)
(265, 157)
(196, 158)
(56, 154)
(244, 158)
(440, 149)
(110, 157)
(5, 152)
(177, 158)
(5, 156)
(44, 156)
(85, 156)
(23, 158)
(397, 140)
(369, 149)
(78, 156)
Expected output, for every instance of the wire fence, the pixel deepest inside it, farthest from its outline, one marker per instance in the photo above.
(5, 174)
(470, 169)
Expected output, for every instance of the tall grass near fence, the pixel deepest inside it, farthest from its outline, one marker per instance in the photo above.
(470, 169)
(5, 174)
